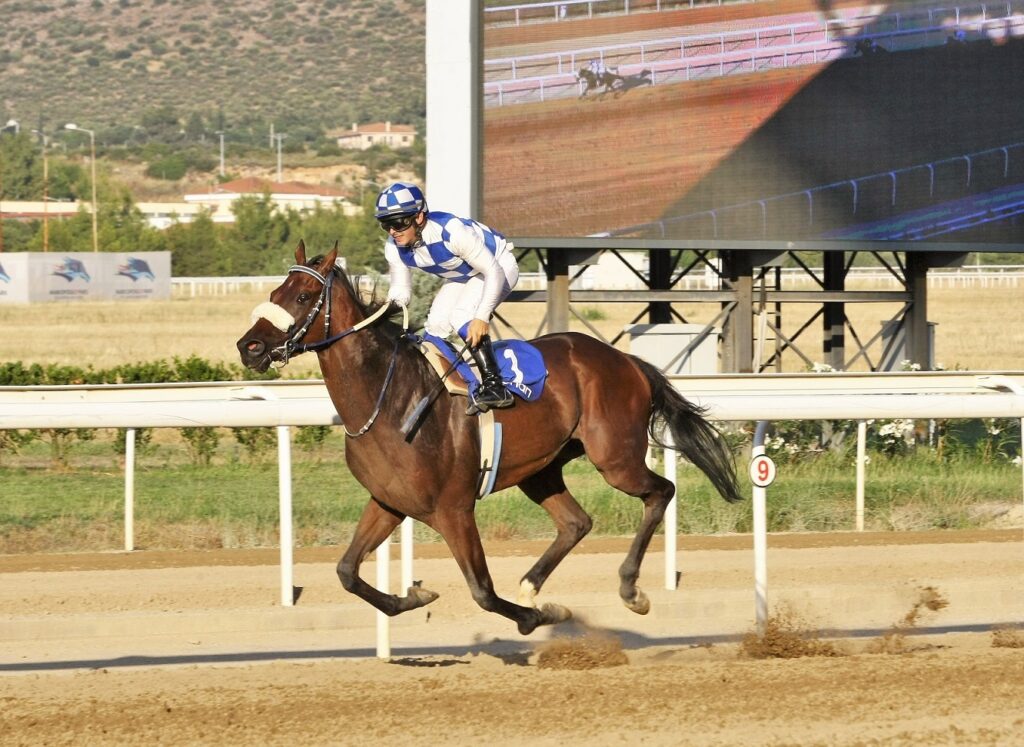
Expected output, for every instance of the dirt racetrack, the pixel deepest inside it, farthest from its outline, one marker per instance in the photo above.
(192, 648)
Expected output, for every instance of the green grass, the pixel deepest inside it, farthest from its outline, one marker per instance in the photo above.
(234, 501)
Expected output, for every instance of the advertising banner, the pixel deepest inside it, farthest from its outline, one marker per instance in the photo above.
(35, 277)
(14, 278)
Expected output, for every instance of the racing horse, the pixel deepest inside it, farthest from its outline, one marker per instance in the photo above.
(596, 401)
(870, 48)
(610, 80)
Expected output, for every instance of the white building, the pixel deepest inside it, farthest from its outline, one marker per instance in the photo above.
(218, 201)
(158, 214)
(361, 137)
(285, 195)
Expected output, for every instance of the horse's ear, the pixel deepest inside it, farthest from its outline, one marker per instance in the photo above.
(328, 262)
(300, 253)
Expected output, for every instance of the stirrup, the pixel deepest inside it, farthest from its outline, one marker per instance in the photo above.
(480, 402)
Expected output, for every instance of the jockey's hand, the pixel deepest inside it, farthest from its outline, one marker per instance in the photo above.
(476, 331)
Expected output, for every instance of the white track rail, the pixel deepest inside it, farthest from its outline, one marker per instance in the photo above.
(766, 397)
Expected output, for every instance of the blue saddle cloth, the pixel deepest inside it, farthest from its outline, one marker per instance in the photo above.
(520, 363)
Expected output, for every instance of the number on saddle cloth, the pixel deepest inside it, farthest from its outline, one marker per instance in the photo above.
(521, 365)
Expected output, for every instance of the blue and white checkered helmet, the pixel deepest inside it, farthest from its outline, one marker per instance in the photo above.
(401, 198)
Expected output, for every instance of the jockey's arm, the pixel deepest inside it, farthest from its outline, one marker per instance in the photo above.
(470, 247)
(400, 290)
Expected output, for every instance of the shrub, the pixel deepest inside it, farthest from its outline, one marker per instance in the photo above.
(169, 168)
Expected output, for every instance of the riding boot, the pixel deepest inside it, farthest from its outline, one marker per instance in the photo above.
(491, 394)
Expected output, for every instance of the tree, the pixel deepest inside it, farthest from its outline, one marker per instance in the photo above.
(195, 248)
(252, 246)
(22, 167)
(195, 131)
(123, 228)
(162, 124)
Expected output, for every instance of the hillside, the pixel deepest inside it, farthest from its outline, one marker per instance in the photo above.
(301, 65)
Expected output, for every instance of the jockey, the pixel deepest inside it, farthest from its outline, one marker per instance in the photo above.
(597, 67)
(476, 263)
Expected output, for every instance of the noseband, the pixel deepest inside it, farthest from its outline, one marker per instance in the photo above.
(294, 345)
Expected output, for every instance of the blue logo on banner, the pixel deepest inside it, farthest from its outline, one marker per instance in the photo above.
(71, 269)
(3, 275)
(136, 268)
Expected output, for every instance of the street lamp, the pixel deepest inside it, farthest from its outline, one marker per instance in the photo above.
(46, 184)
(92, 163)
(12, 124)
(221, 134)
(280, 136)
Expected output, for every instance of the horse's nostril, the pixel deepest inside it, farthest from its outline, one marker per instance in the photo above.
(254, 346)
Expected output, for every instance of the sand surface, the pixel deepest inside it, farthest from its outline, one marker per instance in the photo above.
(193, 648)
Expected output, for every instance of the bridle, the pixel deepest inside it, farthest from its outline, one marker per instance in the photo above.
(294, 345)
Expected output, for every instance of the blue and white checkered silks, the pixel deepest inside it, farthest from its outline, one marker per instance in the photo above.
(435, 254)
(401, 198)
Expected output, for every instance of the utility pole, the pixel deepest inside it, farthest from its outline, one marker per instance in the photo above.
(92, 161)
(280, 137)
(221, 134)
(46, 189)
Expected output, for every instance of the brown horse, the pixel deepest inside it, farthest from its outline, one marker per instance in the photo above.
(597, 401)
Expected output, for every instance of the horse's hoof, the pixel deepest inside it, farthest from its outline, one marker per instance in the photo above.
(420, 597)
(552, 614)
(639, 604)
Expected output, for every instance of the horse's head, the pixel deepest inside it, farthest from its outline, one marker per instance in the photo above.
(282, 322)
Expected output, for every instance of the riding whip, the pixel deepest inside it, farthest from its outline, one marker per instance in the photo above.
(421, 407)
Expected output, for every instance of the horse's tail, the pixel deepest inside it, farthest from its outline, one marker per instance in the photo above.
(693, 436)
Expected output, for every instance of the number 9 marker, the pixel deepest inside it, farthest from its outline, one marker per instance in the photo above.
(762, 471)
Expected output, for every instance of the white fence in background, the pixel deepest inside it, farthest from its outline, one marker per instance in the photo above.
(221, 286)
(728, 397)
(974, 276)
(802, 39)
(570, 10)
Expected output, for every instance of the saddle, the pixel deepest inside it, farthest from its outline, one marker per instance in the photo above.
(523, 373)
(454, 383)
(521, 366)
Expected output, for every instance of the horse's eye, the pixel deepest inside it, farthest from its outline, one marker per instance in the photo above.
(304, 297)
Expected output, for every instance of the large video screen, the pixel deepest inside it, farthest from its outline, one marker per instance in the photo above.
(776, 120)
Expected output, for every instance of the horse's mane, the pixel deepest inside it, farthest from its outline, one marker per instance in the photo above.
(390, 327)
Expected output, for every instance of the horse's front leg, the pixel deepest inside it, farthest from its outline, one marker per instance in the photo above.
(375, 525)
(460, 532)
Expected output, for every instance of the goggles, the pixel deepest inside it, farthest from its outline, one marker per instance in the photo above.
(398, 223)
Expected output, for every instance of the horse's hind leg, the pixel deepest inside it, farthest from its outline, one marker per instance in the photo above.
(547, 489)
(656, 497)
(625, 469)
(376, 523)
(460, 532)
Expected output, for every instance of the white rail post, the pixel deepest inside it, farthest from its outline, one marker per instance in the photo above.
(129, 490)
(406, 554)
(284, 497)
(762, 474)
(383, 559)
(862, 433)
(671, 518)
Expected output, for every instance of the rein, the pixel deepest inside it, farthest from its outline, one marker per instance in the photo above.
(294, 345)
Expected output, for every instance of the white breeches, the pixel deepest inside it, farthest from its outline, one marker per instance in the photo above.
(457, 304)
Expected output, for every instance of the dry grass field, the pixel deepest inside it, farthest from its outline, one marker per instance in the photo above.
(977, 329)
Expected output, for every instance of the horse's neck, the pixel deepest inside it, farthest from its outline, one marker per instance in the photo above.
(354, 368)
